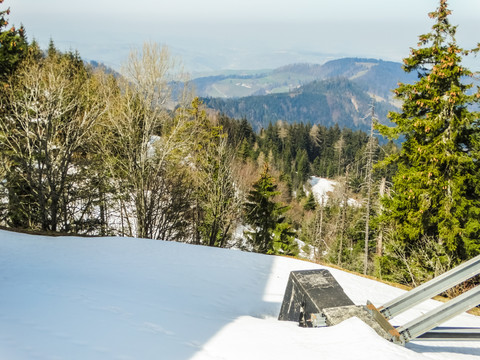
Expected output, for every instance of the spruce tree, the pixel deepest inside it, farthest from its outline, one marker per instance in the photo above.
(310, 203)
(435, 190)
(262, 213)
(284, 240)
(13, 46)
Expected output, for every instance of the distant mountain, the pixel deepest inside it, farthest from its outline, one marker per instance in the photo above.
(327, 102)
(337, 92)
(376, 77)
(98, 65)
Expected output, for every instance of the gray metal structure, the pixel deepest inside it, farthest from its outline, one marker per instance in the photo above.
(438, 316)
(431, 288)
(423, 325)
(452, 333)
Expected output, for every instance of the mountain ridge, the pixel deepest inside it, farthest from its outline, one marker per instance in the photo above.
(337, 92)
(377, 76)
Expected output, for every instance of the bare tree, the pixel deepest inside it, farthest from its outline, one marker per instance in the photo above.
(339, 145)
(49, 115)
(147, 145)
(369, 183)
(319, 225)
(380, 230)
(4, 166)
(315, 135)
(282, 134)
(221, 202)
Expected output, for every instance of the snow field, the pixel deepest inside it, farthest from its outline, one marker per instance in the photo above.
(122, 298)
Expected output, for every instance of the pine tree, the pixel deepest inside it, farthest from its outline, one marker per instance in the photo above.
(435, 191)
(262, 213)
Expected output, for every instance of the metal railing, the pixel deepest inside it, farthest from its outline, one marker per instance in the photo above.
(438, 316)
(421, 326)
(431, 288)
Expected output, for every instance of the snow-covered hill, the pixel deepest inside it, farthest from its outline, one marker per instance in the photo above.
(121, 298)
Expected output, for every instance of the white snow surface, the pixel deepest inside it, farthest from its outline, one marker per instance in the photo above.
(123, 298)
(322, 187)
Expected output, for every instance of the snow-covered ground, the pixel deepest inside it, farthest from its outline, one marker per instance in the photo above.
(322, 187)
(122, 298)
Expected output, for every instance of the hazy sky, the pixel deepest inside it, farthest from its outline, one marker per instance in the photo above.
(241, 33)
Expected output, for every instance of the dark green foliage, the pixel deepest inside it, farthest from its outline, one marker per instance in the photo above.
(329, 102)
(303, 168)
(264, 214)
(301, 193)
(435, 193)
(240, 135)
(13, 46)
(284, 239)
(141, 170)
(310, 203)
(306, 150)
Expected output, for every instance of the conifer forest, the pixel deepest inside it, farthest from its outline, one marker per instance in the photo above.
(91, 151)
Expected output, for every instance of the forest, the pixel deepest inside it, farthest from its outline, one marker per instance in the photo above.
(88, 151)
(328, 102)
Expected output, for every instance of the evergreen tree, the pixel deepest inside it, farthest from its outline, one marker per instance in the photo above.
(303, 168)
(245, 150)
(13, 46)
(311, 203)
(284, 240)
(262, 213)
(435, 190)
(300, 192)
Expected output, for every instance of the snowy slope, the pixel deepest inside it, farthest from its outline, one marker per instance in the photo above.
(322, 187)
(120, 298)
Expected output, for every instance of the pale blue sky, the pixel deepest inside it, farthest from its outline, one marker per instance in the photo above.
(243, 34)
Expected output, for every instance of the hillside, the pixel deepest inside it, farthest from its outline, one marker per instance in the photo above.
(337, 92)
(122, 298)
(328, 102)
(375, 76)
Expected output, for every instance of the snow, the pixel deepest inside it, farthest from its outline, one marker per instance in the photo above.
(123, 298)
(244, 85)
(309, 254)
(321, 187)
